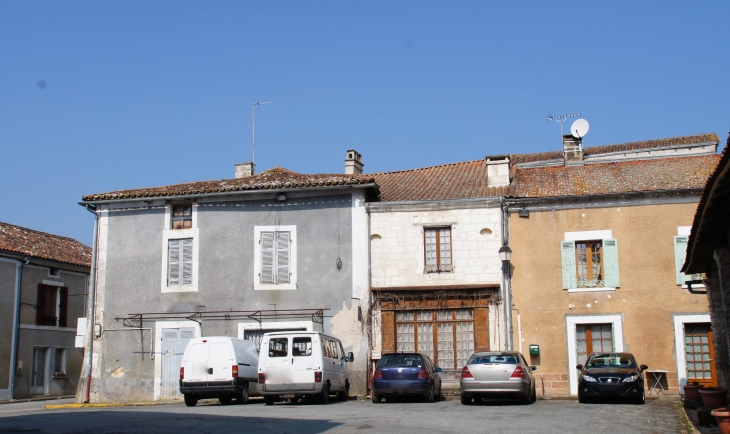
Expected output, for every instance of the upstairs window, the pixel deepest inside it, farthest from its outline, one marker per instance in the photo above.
(275, 257)
(180, 262)
(52, 306)
(680, 253)
(182, 216)
(437, 249)
(590, 264)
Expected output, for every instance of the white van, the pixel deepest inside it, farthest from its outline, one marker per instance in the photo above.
(218, 367)
(296, 365)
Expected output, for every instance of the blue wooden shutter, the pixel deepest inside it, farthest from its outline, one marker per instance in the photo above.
(173, 263)
(610, 263)
(187, 261)
(267, 257)
(567, 252)
(283, 256)
(680, 252)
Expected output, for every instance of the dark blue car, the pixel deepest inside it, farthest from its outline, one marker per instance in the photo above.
(406, 374)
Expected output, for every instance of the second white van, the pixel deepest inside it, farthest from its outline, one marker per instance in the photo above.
(218, 367)
(296, 365)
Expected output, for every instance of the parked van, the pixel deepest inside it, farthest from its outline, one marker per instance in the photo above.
(218, 367)
(298, 365)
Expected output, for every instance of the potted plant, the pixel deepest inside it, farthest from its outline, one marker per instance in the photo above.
(692, 391)
(713, 397)
(722, 416)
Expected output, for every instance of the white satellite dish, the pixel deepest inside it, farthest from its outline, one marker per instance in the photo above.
(579, 128)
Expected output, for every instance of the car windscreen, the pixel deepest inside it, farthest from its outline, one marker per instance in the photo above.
(493, 358)
(610, 360)
(401, 361)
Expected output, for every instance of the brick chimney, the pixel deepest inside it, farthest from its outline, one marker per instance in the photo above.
(353, 163)
(244, 170)
(572, 150)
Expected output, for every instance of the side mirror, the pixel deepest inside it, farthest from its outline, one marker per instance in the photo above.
(643, 367)
(350, 357)
(438, 369)
(579, 367)
(533, 368)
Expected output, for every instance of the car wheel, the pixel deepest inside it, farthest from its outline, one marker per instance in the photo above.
(376, 398)
(534, 395)
(466, 400)
(269, 400)
(430, 397)
(225, 400)
(242, 398)
(324, 398)
(344, 393)
(190, 400)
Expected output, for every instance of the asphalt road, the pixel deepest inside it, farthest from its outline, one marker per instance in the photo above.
(347, 417)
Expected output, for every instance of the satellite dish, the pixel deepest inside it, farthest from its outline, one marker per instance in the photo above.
(579, 128)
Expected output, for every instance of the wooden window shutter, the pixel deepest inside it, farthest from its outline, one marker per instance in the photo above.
(567, 253)
(481, 326)
(40, 308)
(187, 261)
(680, 252)
(387, 329)
(610, 263)
(173, 263)
(283, 249)
(63, 308)
(267, 257)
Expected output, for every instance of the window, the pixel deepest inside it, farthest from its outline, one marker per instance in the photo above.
(59, 362)
(447, 336)
(278, 347)
(182, 217)
(680, 252)
(180, 262)
(52, 306)
(593, 338)
(590, 264)
(437, 249)
(275, 257)
(301, 347)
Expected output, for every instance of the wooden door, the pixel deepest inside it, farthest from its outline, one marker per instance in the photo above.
(592, 338)
(699, 354)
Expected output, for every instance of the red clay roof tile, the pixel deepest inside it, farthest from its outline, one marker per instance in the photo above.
(23, 241)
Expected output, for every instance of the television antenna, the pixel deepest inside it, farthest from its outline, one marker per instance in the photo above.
(254, 106)
(560, 119)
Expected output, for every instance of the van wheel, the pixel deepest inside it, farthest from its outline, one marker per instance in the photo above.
(225, 400)
(190, 400)
(324, 398)
(269, 400)
(242, 398)
(344, 393)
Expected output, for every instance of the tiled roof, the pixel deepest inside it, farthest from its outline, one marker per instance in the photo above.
(41, 245)
(271, 179)
(448, 181)
(618, 177)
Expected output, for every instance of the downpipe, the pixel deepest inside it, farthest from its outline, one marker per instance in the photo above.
(92, 302)
(16, 326)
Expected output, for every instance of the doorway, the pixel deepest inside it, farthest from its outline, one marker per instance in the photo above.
(592, 338)
(39, 377)
(699, 354)
(174, 341)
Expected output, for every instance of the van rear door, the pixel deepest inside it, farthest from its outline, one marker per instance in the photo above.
(220, 360)
(302, 364)
(277, 364)
(196, 363)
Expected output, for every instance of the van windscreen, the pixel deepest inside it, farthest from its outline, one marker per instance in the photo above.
(278, 347)
(301, 347)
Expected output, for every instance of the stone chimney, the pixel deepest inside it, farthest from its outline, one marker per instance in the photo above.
(497, 171)
(353, 163)
(244, 170)
(572, 149)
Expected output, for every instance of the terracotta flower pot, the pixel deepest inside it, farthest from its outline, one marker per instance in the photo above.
(713, 397)
(692, 391)
(722, 416)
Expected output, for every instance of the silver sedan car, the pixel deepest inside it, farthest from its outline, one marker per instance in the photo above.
(497, 374)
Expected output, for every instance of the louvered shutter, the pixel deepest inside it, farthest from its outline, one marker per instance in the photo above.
(567, 252)
(173, 263)
(680, 253)
(40, 307)
(267, 257)
(481, 325)
(283, 249)
(187, 261)
(63, 308)
(387, 328)
(610, 263)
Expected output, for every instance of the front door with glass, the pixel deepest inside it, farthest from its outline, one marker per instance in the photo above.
(699, 354)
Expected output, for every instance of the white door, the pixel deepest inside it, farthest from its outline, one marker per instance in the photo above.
(302, 363)
(40, 371)
(174, 341)
(276, 370)
(220, 360)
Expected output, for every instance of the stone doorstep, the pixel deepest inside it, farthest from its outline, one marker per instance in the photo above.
(39, 398)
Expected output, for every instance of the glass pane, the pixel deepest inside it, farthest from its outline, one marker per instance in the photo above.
(278, 347)
(424, 315)
(464, 314)
(425, 339)
(301, 347)
(405, 338)
(405, 315)
(444, 315)
(445, 346)
(464, 342)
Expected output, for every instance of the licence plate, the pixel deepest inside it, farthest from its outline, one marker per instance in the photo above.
(288, 396)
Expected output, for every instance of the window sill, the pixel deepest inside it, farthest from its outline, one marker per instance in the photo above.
(60, 376)
(182, 288)
(590, 289)
(272, 287)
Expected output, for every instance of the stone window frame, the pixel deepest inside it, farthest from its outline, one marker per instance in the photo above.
(174, 234)
(571, 322)
(292, 284)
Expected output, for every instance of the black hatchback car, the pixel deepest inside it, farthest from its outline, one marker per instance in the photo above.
(406, 374)
(611, 375)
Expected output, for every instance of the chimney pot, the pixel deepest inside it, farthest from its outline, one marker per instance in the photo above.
(572, 149)
(353, 163)
(244, 170)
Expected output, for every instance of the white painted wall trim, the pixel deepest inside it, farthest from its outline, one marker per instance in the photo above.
(679, 322)
(590, 289)
(684, 230)
(175, 234)
(257, 285)
(272, 325)
(159, 325)
(589, 235)
(571, 321)
(52, 283)
(47, 328)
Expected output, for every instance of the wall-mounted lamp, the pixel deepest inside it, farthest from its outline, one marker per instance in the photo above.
(505, 253)
(281, 197)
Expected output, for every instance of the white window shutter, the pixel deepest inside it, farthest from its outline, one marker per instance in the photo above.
(187, 261)
(610, 263)
(283, 256)
(567, 253)
(267, 257)
(680, 253)
(173, 263)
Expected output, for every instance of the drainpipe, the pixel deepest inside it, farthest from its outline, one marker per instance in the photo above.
(506, 278)
(16, 325)
(92, 302)
(370, 308)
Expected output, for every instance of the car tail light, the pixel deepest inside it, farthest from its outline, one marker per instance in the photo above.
(518, 373)
(378, 374)
(465, 373)
(234, 371)
(318, 376)
(262, 378)
(422, 374)
(182, 373)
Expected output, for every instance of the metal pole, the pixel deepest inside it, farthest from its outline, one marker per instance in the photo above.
(253, 129)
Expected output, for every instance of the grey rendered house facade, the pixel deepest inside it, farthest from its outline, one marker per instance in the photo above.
(43, 287)
(235, 257)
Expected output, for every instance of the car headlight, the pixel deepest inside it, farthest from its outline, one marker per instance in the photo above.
(630, 378)
(589, 379)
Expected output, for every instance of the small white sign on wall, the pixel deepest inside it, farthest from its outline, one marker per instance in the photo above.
(81, 327)
(79, 343)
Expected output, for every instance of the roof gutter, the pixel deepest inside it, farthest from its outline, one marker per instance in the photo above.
(221, 193)
(575, 198)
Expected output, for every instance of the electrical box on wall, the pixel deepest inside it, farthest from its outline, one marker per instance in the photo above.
(534, 350)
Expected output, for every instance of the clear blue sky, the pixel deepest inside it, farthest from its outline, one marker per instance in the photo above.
(143, 93)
